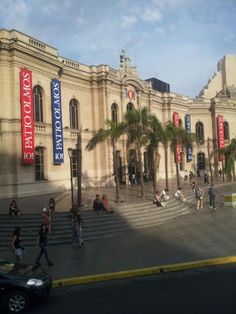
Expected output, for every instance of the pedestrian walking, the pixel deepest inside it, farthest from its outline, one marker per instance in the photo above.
(220, 173)
(199, 197)
(212, 196)
(16, 245)
(78, 232)
(46, 219)
(51, 204)
(42, 241)
(206, 178)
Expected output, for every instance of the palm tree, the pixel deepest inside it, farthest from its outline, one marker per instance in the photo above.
(113, 132)
(155, 136)
(137, 129)
(166, 137)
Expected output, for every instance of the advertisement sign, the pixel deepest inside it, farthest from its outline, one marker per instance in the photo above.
(220, 132)
(175, 118)
(27, 116)
(57, 128)
(188, 129)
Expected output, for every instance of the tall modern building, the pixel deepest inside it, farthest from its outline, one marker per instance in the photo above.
(47, 100)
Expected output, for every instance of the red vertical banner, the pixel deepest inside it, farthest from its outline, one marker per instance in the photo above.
(221, 136)
(27, 116)
(175, 118)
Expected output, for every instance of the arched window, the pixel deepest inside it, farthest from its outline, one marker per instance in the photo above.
(200, 132)
(180, 123)
(226, 130)
(39, 163)
(201, 161)
(130, 106)
(73, 114)
(114, 110)
(38, 104)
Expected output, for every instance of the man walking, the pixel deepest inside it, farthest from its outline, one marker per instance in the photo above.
(212, 196)
(42, 242)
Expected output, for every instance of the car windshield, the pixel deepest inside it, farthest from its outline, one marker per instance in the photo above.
(11, 268)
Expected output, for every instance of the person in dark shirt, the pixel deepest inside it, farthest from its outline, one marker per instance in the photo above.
(16, 245)
(97, 204)
(13, 209)
(42, 241)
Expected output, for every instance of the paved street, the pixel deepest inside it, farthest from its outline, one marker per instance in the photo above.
(205, 291)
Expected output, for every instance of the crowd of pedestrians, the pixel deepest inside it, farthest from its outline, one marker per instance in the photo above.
(42, 237)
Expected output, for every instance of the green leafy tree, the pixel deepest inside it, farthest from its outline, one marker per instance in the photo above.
(112, 132)
(230, 156)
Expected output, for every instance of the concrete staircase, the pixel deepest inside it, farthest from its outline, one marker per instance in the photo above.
(127, 216)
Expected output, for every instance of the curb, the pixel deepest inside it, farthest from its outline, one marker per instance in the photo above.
(72, 281)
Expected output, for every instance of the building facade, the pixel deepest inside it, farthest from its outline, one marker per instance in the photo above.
(47, 102)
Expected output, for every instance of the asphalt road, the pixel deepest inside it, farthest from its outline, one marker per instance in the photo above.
(209, 290)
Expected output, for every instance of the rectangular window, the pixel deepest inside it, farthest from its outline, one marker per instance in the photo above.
(39, 164)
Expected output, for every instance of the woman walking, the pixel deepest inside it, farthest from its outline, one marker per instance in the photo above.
(16, 245)
(42, 242)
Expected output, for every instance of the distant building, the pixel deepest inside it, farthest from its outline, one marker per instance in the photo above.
(159, 85)
(46, 100)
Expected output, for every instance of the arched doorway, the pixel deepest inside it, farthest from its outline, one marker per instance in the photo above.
(133, 167)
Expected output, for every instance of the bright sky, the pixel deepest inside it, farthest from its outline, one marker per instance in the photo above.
(177, 41)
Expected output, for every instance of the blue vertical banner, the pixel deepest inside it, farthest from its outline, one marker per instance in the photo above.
(188, 129)
(57, 128)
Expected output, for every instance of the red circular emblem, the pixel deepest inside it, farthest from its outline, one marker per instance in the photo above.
(130, 94)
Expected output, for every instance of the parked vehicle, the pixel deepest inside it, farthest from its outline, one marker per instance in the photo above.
(21, 284)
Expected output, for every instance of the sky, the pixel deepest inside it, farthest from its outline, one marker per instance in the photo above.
(177, 41)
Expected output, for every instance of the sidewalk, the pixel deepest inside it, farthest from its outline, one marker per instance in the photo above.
(63, 199)
(200, 235)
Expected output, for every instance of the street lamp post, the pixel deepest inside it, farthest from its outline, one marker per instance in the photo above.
(79, 170)
(70, 154)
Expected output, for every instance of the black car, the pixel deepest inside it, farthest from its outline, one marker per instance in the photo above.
(21, 284)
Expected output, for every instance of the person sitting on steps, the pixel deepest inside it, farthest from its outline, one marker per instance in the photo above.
(97, 204)
(105, 205)
(158, 200)
(13, 209)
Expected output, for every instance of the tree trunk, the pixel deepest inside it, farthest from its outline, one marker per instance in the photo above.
(176, 165)
(154, 173)
(141, 171)
(116, 174)
(166, 165)
(209, 159)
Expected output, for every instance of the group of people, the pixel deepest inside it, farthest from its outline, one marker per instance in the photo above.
(18, 248)
(42, 237)
(161, 198)
(102, 204)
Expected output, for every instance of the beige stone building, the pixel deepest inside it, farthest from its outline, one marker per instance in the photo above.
(46, 100)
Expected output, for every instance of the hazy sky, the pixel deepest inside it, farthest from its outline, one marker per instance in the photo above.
(177, 41)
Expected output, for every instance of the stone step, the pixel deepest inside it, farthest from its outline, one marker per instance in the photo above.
(126, 217)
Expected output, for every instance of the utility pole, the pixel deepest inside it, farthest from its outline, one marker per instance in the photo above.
(209, 159)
